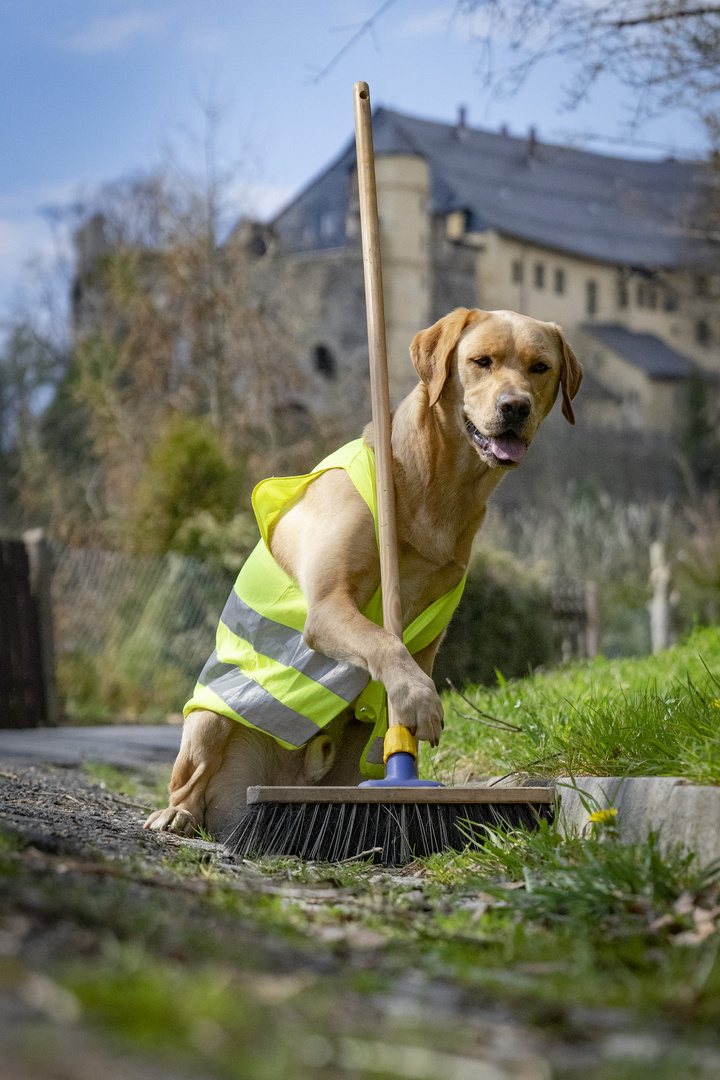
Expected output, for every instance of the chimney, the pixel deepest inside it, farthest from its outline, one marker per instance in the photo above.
(462, 117)
(504, 129)
(532, 143)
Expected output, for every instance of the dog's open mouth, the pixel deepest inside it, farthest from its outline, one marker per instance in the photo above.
(507, 449)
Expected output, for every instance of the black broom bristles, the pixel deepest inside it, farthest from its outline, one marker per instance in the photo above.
(391, 833)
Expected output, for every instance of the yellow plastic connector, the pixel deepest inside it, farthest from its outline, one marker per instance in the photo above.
(398, 738)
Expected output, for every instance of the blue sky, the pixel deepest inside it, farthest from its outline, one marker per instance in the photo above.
(92, 89)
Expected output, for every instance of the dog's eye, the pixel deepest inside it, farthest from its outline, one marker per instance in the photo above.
(483, 361)
(539, 368)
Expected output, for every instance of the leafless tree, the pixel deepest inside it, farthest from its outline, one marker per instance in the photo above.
(667, 52)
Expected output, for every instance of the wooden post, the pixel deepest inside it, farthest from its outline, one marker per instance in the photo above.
(40, 587)
(592, 623)
(660, 603)
(22, 700)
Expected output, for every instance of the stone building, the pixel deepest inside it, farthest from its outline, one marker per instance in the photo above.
(621, 253)
(614, 250)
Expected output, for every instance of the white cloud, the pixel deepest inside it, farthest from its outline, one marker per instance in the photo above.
(258, 200)
(28, 200)
(27, 240)
(19, 240)
(112, 33)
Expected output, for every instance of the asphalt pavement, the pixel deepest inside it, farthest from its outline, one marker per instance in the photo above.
(123, 745)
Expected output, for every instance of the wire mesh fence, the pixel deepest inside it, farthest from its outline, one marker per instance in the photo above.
(131, 634)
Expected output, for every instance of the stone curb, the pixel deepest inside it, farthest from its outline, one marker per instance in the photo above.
(684, 814)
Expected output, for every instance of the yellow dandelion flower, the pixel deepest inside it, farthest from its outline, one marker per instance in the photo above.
(716, 703)
(604, 817)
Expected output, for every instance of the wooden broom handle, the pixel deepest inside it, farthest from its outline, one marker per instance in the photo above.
(379, 388)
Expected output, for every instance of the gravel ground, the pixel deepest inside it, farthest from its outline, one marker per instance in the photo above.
(83, 880)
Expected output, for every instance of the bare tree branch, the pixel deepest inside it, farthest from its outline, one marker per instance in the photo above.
(667, 16)
(666, 52)
(363, 28)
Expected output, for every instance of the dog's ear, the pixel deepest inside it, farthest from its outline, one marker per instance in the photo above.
(571, 375)
(431, 349)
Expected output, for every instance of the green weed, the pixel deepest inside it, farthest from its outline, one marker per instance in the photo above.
(655, 716)
(10, 840)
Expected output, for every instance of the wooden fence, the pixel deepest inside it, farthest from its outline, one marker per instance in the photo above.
(90, 596)
(27, 663)
(575, 616)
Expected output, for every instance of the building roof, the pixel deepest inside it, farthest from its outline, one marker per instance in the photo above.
(645, 351)
(613, 209)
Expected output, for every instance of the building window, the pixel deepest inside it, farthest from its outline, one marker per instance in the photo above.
(559, 281)
(591, 297)
(672, 300)
(324, 361)
(623, 292)
(702, 286)
(702, 332)
(329, 225)
(539, 275)
(516, 272)
(646, 295)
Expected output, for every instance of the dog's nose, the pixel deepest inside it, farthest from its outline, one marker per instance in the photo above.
(514, 406)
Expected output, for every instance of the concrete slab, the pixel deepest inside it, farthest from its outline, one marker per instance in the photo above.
(684, 814)
(120, 745)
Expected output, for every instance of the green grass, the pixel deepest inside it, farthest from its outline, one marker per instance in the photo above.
(149, 785)
(110, 778)
(653, 716)
(231, 972)
(279, 967)
(546, 922)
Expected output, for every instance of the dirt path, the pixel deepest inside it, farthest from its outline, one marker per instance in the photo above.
(127, 954)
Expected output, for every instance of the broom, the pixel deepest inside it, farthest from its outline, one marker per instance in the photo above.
(401, 817)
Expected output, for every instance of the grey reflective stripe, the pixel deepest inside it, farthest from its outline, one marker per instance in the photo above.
(287, 647)
(249, 700)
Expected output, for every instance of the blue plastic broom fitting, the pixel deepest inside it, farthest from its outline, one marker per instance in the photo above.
(400, 771)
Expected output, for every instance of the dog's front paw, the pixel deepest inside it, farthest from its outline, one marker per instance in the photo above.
(173, 819)
(417, 705)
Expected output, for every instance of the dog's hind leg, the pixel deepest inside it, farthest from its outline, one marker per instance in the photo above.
(201, 755)
(252, 758)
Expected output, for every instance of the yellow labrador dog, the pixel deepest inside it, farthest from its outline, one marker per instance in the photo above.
(487, 381)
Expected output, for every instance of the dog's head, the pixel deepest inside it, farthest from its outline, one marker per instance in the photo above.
(501, 372)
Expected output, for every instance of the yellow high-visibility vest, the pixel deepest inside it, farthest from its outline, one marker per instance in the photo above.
(262, 673)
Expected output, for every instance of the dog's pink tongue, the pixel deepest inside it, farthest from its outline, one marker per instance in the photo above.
(508, 447)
